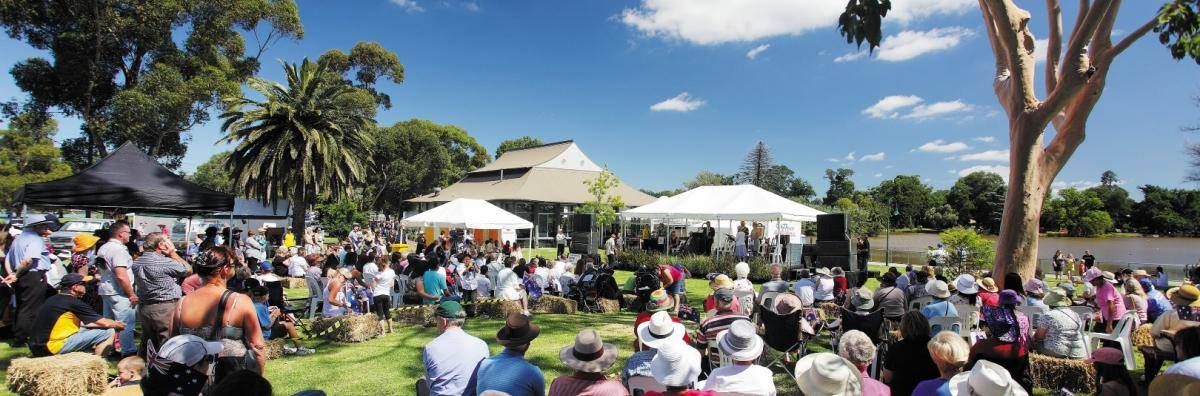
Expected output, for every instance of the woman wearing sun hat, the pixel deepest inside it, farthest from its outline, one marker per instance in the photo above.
(966, 291)
(659, 301)
(1112, 305)
(1060, 331)
(986, 379)
(590, 357)
(676, 367)
(743, 346)
(1007, 339)
(80, 259)
(988, 292)
(827, 374)
(650, 335)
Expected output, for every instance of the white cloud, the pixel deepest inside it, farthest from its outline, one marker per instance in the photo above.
(997, 169)
(878, 175)
(890, 106)
(1039, 50)
(987, 156)
(708, 22)
(753, 53)
(985, 139)
(952, 171)
(410, 6)
(472, 6)
(850, 57)
(887, 167)
(849, 157)
(910, 44)
(682, 103)
(941, 146)
(880, 156)
(938, 109)
(1078, 185)
(835, 160)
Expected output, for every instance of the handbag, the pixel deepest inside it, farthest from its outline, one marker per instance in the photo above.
(230, 364)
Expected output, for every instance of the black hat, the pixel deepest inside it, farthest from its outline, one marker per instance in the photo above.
(517, 330)
(69, 280)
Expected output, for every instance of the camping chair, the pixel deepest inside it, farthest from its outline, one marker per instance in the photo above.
(782, 334)
(314, 296)
(1035, 315)
(919, 302)
(640, 384)
(946, 323)
(1122, 334)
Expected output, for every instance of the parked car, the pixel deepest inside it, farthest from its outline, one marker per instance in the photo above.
(63, 240)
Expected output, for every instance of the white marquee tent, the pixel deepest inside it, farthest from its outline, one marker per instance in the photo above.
(467, 213)
(743, 202)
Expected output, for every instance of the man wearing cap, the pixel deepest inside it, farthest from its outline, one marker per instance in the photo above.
(743, 346)
(452, 356)
(508, 371)
(116, 283)
(940, 307)
(157, 274)
(721, 320)
(65, 323)
(590, 357)
(1110, 301)
(28, 261)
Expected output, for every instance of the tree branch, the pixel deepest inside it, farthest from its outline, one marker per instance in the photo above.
(1012, 32)
(1002, 83)
(1077, 67)
(1054, 43)
(1134, 36)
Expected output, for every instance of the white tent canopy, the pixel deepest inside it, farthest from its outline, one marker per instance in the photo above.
(743, 202)
(467, 213)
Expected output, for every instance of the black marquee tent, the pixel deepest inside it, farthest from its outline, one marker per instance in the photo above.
(127, 180)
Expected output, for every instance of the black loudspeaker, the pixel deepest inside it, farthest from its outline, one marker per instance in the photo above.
(834, 248)
(808, 254)
(833, 227)
(835, 261)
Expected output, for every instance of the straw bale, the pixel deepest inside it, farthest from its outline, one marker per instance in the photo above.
(72, 374)
(1054, 373)
(414, 314)
(554, 305)
(609, 305)
(831, 310)
(274, 348)
(1142, 337)
(497, 308)
(295, 283)
(348, 328)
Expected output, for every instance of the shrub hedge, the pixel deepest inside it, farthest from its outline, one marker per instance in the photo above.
(699, 266)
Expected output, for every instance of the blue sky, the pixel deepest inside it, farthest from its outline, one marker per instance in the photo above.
(660, 89)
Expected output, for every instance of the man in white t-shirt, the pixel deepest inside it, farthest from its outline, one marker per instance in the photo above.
(297, 266)
(116, 284)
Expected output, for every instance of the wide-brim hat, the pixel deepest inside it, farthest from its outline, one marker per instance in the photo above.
(987, 284)
(659, 330)
(1174, 384)
(659, 301)
(42, 219)
(823, 271)
(1109, 277)
(1092, 273)
(84, 241)
(517, 330)
(1057, 298)
(985, 379)
(1183, 295)
(1140, 272)
(589, 353)
(863, 299)
(965, 283)
(720, 282)
(740, 342)
(937, 289)
(675, 364)
(827, 374)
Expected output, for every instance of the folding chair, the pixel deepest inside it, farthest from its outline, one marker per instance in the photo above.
(1122, 334)
(640, 384)
(315, 301)
(782, 334)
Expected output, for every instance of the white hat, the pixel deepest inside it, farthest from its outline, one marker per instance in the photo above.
(965, 283)
(985, 379)
(828, 374)
(659, 329)
(675, 364)
(937, 289)
(823, 271)
(740, 342)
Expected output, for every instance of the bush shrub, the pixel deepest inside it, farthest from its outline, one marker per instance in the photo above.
(698, 265)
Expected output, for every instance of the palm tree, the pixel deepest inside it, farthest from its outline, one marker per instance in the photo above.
(297, 142)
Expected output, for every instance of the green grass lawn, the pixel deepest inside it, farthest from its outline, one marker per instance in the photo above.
(390, 365)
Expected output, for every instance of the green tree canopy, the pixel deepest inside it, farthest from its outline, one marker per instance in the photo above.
(410, 160)
(1167, 211)
(28, 155)
(979, 199)
(137, 71)
(706, 178)
(1079, 212)
(840, 185)
(214, 174)
(908, 196)
(517, 144)
(604, 204)
(367, 63)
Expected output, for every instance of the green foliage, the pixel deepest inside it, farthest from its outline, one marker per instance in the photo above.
(369, 62)
(214, 174)
(604, 204)
(1116, 202)
(867, 217)
(297, 142)
(978, 198)
(338, 218)
(863, 21)
(1093, 223)
(780, 179)
(1166, 211)
(908, 196)
(140, 71)
(698, 265)
(967, 251)
(840, 185)
(410, 160)
(28, 155)
(517, 144)
(941, 217)
(756, 166)
(706, 178)
(1070, 209)
(1179, 28)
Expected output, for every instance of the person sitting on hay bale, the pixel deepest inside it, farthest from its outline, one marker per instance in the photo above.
(65, 323)
(450, 358)
(275, 324)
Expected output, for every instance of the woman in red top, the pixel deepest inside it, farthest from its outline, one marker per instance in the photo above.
(839, 284)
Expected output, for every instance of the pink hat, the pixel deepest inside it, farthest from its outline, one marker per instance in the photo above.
(1092, 273)
(1107, 355)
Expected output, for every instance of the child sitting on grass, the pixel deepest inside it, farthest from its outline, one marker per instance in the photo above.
(273, 322)
(129, 372)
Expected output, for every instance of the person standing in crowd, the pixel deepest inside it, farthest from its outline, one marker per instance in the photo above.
(116, 284)
(157, 274)
(1071, 267)
(672, 281)
(743, 346)
(28, 260)
(81, 259)
(1089, 260)
(610, 248)
(1058, 261)
(908, 362)
(590, 357)
(381, 290)
(65, 324)
(857, 348)
(451, 358)
(560, 241)
(1112, 306)
(240, 334)
(508, 371)
(432, 286)
(254, 247)
(949, 354)
(863, 248)
(1060, 332)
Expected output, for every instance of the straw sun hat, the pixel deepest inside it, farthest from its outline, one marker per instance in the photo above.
(589, 354)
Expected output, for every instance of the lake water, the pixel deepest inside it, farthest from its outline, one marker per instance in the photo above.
(1118, 252)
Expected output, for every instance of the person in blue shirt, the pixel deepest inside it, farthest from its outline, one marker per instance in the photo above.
(28, 261)
(274, 322)
(508, 371)
(940, 291)
(949, 353)
(432, 285)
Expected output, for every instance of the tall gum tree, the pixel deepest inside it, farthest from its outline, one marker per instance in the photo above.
(1076, 70)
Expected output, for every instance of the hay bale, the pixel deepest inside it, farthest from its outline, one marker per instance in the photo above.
(72, 374)
(1053, 373)
(1141, 336)
(414, 314)
(274, 348)
(608, 305)
(295, 283)
(554, 305)
(347, 328)
(497, 308)
(831, 310)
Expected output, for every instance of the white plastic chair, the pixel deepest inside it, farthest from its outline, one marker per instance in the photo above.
(946, 323)
(1122, 334)
(314, 295)
(639, 384)
(919, 302)
(1088, 315)
(968, 316)
(716, 358)
(1035, 315)
(745, 299)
